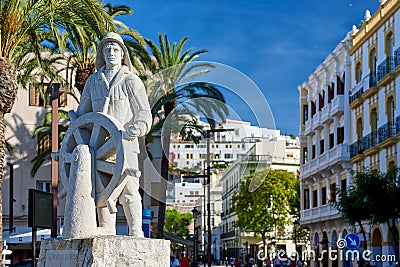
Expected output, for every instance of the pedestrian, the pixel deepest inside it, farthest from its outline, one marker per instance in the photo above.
(299, 263)
(183, 261)
(232, 261)
(277, 262)
(267, 262)
(174, 262)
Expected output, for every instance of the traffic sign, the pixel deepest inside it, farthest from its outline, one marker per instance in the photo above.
(353, 241)
(190, 235)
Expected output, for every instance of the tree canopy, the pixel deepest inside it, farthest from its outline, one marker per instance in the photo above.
(375, 198)
(269, 206)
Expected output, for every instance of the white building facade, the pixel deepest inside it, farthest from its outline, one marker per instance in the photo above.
(348, 120)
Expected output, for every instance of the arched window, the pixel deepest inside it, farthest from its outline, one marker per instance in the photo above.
(358, 72)
(372, 69)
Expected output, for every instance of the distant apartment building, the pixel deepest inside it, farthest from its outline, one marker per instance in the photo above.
(349, 120)
(280, 153)
(226, 147)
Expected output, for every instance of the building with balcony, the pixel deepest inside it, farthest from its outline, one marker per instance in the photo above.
(374, 103)
(267, 154)
(360, 133)
(324, 142)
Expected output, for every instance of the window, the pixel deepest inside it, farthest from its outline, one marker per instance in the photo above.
(340, 135)
(340, 86)
(343, 185)
(390, 109)
(313, 152)
(358, 72)
(321, 146)
(305, 113)
(332, 196)
(189, 156)
(313, 108)
(306, 199)
(44, 144)
(304, 155)
(228, 156)
(35, 98)
(321, 100)
(331, 93)
(331, 140)
(43, 186)
(359, 129)
(372, 67)
(315, 198)
(374, 120)
(323, 200)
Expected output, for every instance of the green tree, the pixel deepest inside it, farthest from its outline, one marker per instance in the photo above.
(374, 197)
(268, 207)
(382, 192)
(177, 224)
(77, 47)
(352, 204)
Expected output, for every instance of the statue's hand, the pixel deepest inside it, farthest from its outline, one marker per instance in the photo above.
(131, 133)
(127, 136)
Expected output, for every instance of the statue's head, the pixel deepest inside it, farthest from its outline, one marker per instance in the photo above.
(114, 39)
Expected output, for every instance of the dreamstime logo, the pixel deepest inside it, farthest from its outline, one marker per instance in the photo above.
(341, 253)
(195, 89)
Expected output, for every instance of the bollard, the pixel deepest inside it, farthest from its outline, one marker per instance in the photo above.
(146, 221)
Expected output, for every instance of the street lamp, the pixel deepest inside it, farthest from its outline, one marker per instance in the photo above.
(209, 190)
(195, 213)
(56, 92)
(295, 225)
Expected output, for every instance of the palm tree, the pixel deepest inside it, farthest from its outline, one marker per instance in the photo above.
(170, 87)
(78, 49)
(23, 22)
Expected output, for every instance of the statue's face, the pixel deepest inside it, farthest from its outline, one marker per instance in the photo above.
(113, 54)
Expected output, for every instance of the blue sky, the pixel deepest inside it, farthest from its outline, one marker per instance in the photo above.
(277, 44)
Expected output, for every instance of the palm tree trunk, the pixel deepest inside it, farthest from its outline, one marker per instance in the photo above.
(2, 161)
(168, 107)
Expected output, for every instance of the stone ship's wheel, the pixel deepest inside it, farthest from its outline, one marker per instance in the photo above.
(102, 134)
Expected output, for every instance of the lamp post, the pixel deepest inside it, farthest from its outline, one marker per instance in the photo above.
(56, 92)
(204, 196)
(295, 225)
(195, 213)
(209, 190)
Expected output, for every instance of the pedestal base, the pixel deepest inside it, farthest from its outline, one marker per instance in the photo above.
(105, 251)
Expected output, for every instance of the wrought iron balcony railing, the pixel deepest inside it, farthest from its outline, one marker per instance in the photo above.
(386, 67)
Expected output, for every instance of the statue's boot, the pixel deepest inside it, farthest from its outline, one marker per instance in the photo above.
(131, 201)
(107, 221)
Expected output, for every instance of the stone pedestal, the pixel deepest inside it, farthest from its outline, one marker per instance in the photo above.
(105, 251)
